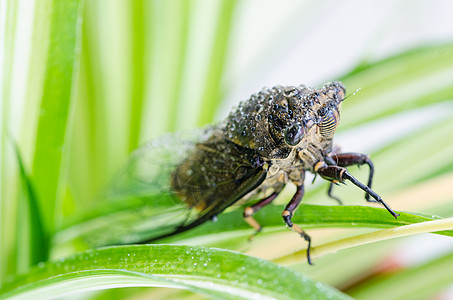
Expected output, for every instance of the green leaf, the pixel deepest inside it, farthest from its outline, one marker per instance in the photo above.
(413, 78)
(39, 240)
(218, 273)
(231, 229)
(138, 64)
(54, 115)
(444, 225)
(430, 278)
(212, 92)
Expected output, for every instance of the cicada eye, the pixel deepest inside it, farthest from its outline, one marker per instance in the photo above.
(323, 111)
(294, 134)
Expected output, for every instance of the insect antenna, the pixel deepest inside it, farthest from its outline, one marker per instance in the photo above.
(352, 94)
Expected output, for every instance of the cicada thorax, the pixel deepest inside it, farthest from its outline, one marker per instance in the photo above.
(269, 122)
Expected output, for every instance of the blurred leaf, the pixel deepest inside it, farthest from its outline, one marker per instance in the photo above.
(8, 170)
(218, 273)
(212, 92)
(54, 114)
(38, 247)
(413, 78)
(419, 282)
(138, 64)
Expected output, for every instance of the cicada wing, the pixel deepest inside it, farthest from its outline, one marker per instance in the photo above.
(214, 176)
(138, 203)
(170, 185)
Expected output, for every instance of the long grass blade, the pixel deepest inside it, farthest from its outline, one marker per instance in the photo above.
(38, 237)
(212, 91)
(217, 273)
(55, 111)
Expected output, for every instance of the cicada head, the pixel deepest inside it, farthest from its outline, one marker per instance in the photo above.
(301, 108)
(276, 120)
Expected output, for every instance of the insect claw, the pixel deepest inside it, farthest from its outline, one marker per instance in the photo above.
(367, 198)
(308, 239)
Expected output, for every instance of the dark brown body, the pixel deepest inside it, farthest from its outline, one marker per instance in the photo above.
(267, 141)
(231, 162)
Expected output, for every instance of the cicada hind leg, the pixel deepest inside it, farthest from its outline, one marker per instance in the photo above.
(251, 210)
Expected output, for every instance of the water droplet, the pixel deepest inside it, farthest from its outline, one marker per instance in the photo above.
(356, 91)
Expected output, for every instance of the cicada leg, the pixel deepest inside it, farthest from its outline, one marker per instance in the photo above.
(288, 214)
(340, 174)
(353, 159)
(329, 193)
(251, 210)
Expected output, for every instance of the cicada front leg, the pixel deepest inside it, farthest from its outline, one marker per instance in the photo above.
(353, 159)
(340, 174)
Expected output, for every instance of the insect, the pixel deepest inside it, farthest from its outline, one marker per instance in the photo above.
(268, 141)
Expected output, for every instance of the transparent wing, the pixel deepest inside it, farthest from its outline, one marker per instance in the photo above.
(169, 185)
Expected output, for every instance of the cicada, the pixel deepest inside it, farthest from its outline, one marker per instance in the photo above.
(266, 142)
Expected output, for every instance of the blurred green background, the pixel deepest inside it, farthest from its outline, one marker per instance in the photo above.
(83, 83)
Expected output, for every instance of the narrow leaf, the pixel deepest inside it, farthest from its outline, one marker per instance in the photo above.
(218, 273)
(62, 58)
(212, 92)
(133, 226)
(39, 240)
(412, 78)
(380, 235)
